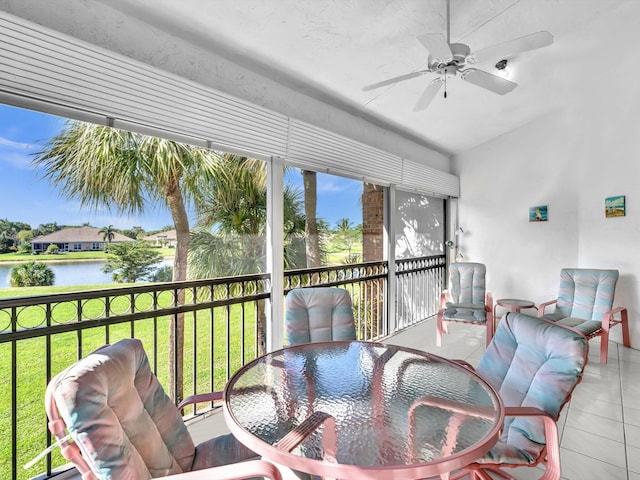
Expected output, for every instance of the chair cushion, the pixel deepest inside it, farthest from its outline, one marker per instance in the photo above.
(467, 282)
(586, 293)
(476, 314)
(319, 314)
(586, 327)
(532, 363)
(121, 418)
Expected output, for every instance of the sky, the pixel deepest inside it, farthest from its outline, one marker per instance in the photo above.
(26, 196)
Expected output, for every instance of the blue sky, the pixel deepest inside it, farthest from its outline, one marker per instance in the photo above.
(29, 198)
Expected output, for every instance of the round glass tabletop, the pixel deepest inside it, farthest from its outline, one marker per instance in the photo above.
(367, 406)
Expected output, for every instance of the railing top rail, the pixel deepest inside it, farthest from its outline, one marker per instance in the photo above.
(302, 271)
(128, 289)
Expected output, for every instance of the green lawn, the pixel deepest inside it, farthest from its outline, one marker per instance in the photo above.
(97, 255)
(31, 362)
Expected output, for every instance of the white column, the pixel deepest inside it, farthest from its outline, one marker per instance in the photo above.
(390, 210)
(275, 252)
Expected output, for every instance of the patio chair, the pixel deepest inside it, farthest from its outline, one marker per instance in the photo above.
(121, 424)
(585, 303)
(466, 300)
(318, 314)
(535, 366)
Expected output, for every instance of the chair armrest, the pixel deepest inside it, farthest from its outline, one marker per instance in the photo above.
(552, 471)
(444, 298)
(200, 398)
(544, 305)
(488, 302)
(608, 319)
(611, 313)
(235, 471)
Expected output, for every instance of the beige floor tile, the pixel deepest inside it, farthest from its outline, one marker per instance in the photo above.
(594, 446)
(632, 415)
(632, 435)
(595, 424)
(633, 457)
(612, 411)
(577, 466)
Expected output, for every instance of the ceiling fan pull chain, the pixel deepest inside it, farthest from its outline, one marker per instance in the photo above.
(445, 85)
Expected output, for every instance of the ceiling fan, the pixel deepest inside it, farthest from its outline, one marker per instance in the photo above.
(447, 60)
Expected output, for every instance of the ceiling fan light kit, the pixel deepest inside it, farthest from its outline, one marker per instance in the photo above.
(446, 60)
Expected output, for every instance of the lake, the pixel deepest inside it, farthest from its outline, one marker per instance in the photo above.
(84, 272)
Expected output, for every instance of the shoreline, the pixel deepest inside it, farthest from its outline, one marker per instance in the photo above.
(65, 260)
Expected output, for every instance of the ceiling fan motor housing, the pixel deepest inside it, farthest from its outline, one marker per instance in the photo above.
(448, 66)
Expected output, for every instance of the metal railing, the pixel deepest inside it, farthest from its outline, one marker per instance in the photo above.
(42, 335)
(419, 284)
(221, 319)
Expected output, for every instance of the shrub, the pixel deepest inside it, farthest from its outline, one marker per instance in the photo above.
(53, 248)
(24, 248)
(31, 274)
(163, 274)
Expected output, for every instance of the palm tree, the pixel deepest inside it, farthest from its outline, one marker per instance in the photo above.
(311, 227)
(232, 214)
(102, 166)
(31, 274)
(108, 233)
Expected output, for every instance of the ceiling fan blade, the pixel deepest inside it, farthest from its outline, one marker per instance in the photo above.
(512, 47)
(487, 80)
(393, 80)
(437, 46)
(428, 95)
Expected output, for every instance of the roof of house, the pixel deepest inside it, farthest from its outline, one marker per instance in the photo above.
(166, 235)
(80, 234)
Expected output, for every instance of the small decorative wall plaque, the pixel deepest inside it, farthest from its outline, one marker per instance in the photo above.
(614, 206)
(538, 214)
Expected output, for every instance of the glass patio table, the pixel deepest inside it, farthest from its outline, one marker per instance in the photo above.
(362, 410)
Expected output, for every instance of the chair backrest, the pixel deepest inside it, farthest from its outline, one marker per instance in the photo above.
(467, 282)
(119, 415)
(586, 293)
(319, 314)
(533, 363)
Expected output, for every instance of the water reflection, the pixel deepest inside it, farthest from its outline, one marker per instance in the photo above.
(84, 272)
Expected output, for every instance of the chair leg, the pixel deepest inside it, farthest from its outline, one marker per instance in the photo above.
(624, 319)
(604, 346)
(439, 330)
(490, 328)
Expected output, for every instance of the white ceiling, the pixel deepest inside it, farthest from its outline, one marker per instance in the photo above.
(338, 46)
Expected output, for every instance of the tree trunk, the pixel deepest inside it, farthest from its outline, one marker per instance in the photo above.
(262, 327)
(311, 224)
(176, 334)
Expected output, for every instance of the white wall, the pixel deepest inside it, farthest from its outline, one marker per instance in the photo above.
(570, 160)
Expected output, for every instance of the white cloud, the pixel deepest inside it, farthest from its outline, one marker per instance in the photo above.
(16, 154)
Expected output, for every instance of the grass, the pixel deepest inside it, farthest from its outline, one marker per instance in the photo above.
(200, 344)
(65, 256)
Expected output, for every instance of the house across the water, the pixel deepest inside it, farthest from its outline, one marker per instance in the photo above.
(76, 239)
(166, 239)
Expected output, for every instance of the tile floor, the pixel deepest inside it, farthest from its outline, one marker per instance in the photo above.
(599, 428)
